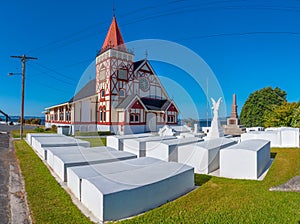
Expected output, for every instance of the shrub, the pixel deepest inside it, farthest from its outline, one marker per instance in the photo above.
(39, 129)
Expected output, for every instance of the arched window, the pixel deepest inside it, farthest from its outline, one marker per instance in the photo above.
(102, 114)
(122, 93)
(134, 117)
(102, 93)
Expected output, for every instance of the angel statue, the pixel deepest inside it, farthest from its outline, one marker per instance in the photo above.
(216, 129)
(216, 106)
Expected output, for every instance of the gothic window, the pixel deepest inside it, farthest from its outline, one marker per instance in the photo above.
(102, 93)
(122, 93)
(68, 115)
(134, 118)
(102, 114)
(171, 119)
(55, 114)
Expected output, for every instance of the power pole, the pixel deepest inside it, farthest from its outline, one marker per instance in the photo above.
(23, 60)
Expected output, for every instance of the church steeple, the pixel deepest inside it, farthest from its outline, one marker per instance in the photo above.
(113, 38)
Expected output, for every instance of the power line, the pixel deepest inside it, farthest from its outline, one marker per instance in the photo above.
(55, 77)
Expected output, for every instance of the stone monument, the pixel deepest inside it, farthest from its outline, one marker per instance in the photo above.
(233, 126)
(216, 129)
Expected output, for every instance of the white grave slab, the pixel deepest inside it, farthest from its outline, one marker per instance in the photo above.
(41, 142)
(52, 151)
(30, 135)
(116, 141)
(204, 156)
(167, 150)
(63, 161)
(290, 137)
(124, 194)
(273, 136)
(137, 146)
(246, 160)
(76, 174)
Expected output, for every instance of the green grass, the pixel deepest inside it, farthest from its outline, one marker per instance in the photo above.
(16, 133)
(96, 141)
(217, 200)
(221, 200)
(48, 201)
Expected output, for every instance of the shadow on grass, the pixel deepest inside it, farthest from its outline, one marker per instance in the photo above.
(201, 179)
(273, 155)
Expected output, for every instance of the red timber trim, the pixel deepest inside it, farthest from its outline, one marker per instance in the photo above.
(172, 108)
(136, 105)
(59, 122)
(104, 123)
(83, 122)
(121, 123)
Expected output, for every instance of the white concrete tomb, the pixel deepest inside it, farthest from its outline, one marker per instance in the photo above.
(167, 150)
(116, 141)
(62, 161)
(204, 156)
(41, 142)
(77, 173)
(246, 160)
(123, 194)
(137, 146)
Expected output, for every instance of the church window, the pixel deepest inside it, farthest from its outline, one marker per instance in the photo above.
(171, 118)
(55, 114)
(122, 93)
(134, 118)
(102, 93)
(102, 114)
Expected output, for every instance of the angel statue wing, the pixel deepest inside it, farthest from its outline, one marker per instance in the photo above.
(215, 104)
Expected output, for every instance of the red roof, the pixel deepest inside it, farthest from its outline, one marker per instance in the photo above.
(114, 37)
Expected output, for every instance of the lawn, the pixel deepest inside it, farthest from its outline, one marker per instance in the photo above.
(16, 133)
(96, 141)
(218, 200)
(48, 201)
(221, 200)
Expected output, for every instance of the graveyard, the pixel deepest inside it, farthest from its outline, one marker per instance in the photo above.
(171, 170)
(217, 199)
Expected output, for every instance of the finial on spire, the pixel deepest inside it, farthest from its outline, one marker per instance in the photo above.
(113, 9)
(146, 54)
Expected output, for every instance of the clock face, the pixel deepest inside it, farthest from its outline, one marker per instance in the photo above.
(144, 84)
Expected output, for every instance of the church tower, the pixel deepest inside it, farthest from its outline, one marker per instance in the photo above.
(114, 69)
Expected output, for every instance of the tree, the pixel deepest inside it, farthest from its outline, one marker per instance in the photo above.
(296, 117)
(260, 103)
(280, 116)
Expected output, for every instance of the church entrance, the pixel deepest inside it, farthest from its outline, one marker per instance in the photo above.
(151, 122)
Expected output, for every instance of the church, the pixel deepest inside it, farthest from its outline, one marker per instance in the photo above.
(125, 97)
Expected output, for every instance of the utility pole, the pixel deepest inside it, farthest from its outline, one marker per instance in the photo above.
(23, 60)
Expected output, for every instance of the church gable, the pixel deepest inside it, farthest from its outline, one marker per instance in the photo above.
(172, 108)
(136, 105)
(146, 82)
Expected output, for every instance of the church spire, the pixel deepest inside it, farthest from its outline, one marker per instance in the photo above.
(114, 37)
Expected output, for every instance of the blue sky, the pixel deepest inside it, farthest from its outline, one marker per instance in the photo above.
(247, 44)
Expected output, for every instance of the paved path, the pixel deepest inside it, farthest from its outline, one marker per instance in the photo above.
(5, 158)
(13, 205)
